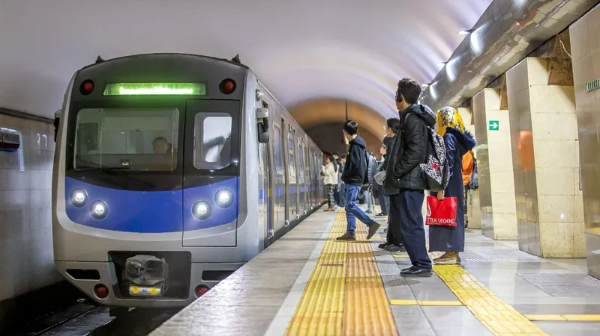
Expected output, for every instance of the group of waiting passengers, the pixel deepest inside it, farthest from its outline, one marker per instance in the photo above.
(400, 182)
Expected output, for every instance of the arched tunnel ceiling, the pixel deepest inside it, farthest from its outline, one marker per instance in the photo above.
(301, 49)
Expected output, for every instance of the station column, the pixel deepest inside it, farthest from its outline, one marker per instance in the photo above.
(545, 159)
(496, 186)
(585, 46)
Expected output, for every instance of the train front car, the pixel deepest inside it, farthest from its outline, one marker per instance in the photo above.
(150, 178)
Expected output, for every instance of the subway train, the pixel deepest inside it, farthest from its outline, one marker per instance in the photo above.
(171, 171)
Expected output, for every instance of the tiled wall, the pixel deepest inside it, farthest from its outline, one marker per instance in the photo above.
(546, 162)
(26, 260)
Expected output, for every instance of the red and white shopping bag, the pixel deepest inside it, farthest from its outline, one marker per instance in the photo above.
(441, 213)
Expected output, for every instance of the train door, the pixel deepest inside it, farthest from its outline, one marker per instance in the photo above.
(264, 194)
(278, 187)
(293, 181)
(302, 177)
(211, 173)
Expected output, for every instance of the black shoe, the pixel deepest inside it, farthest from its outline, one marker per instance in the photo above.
(381, 214)
(394, 248)
(349, 236)
(383, 246)
(416, 272)
(373, 230)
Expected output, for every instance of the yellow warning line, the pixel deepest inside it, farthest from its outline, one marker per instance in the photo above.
(499, 317)
(578, 318)
(345, 293)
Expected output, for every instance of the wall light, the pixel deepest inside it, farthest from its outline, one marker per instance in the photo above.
(465, 32)
(441, 63)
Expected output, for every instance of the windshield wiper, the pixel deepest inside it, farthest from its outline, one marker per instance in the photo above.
(103, 168)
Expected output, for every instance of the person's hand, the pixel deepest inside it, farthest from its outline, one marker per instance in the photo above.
(440, 196)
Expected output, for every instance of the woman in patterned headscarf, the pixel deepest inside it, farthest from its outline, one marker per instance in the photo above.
(458, 141)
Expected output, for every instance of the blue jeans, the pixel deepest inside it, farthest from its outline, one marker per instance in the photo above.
(353, 211)
(409, 203)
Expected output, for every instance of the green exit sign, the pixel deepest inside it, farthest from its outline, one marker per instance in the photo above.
(493, 125)
(593, 85)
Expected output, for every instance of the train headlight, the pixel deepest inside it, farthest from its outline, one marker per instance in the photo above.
(201, 210)
(99, 210)
(223, 198)
(78, 198)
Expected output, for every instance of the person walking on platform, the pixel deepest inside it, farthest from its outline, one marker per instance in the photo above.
(329, 173)
(372, 167)
(341, 184)
(451, 239)
(336, 190)
(404, 174)
(394, 239)
(355, 176)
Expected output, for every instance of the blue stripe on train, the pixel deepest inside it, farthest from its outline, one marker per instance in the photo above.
(280, 191)
(151, 211)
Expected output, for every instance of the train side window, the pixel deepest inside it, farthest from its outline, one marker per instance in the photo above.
(277, 145)
(291, 161)
(301, 160)
(213, 140)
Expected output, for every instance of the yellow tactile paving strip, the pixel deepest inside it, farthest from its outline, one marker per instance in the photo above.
(499, 317)
(345, 293)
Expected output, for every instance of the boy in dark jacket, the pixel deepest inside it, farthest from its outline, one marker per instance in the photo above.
(405, 178)
(354, 176)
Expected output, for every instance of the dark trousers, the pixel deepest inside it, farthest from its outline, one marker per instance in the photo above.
(466, 205)
(384, 201)
(409, 203)
(336, 195)
(394, 233)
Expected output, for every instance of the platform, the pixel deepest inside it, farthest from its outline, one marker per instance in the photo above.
(309, 284)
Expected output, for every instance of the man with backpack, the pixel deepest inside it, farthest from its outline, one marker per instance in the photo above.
(355, 177)
(405, 179)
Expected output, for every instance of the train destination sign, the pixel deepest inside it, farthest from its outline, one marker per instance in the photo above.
(158, 89)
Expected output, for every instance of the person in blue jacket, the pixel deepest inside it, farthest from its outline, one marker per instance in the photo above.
(458, 141)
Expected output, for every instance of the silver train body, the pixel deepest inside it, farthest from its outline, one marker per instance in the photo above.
(136, 226)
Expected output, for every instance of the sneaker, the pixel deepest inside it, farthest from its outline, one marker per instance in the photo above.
(381, 214)
(385, 230)
(383, 246)
(416, 272)
(349, 236)
(394, 248)
(447, 259)
(373, 230)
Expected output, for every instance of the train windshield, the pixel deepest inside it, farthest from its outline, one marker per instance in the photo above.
(132, 139)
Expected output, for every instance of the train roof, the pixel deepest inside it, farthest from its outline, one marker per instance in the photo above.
(99, 60)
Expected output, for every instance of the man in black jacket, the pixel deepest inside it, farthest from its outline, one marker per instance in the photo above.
(404, 175)
(395, 239)
(355, 176)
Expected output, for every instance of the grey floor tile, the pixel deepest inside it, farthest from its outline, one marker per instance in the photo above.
(454, 321)
(555, 328)
(411, 321)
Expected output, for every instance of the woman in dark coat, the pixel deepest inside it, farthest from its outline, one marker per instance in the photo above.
(451, 239)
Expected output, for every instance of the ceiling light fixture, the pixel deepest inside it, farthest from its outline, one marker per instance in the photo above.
(465, 32)
(441, 63)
